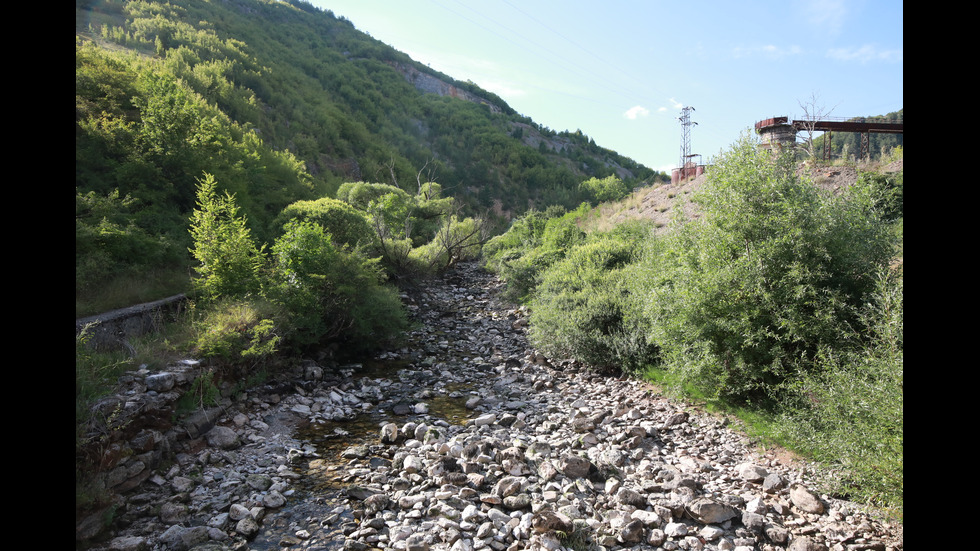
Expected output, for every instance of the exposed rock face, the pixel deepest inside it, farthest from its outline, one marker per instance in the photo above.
(431, 84)
(529, 454)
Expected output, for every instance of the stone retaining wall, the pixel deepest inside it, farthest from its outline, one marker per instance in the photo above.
(113, 329)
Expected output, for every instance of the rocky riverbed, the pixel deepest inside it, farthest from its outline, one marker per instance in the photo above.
(466, 440)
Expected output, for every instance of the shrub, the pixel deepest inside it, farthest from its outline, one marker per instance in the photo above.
(234, 332)
(532, 244)
(328, 294)
(455, 241)
(387, 206)
(584, 306)
(347, 226)
(110, 246)
(361, 194)
(849, 413)
(888, 192)
(229, 260)
(772, 272)
(605, 189)
(523, 235)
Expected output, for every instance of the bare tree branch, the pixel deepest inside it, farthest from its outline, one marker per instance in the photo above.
(813, 111)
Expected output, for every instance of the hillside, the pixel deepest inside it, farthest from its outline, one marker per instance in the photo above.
(282, 102)
(658, 203)
(350, 107)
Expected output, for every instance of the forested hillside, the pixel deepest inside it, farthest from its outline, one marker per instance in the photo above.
(281, 102)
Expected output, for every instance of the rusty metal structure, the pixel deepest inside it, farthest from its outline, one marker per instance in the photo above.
(781, 131)
(687, 167)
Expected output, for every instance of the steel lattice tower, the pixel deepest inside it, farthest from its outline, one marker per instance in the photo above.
(686, 124)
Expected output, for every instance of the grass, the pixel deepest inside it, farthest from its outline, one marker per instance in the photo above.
(128, 290)
(97, 374)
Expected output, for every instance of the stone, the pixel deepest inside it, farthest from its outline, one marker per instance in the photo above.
(355, 452)
(656, 537)
(631, 497)
(173, 513)
(631, 533)
(711, 533)
(238, 512)
(753, 521)
(574, 466)
(273, 499)
(708, 511)
(389, 433)
(676, 529)
(806, 500)
(773, 483)
(258, 481)
(160, 382)
(648, 518)
(128, 543)
(519, 501)
(485, 419)
(412, 464)
(550, 521)
(806, 543)
(247, 527)
(676, 419)
(752, 472)
(222, 437)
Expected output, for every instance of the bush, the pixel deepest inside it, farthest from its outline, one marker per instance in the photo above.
(346, 226)
(532, 244)
(229, 260)
(605, 189)
(416, 235)
(849, 412)
(387, 206)
(231, 333)
(584, 306)
(328, 294)
(455, 241)
(773, 271)
(524, 234)
(110, 246)
(888, 192)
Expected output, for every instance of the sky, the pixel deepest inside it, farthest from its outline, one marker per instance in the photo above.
(622, 71)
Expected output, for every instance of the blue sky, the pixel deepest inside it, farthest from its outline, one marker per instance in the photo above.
(620, 71)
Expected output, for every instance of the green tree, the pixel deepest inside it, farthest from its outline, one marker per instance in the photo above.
(328, 294)
(229, 261)
(772, 272)
(605, 189)
(347, 226)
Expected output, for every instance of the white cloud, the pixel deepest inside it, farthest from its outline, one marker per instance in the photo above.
(865, 54)
(636, 112)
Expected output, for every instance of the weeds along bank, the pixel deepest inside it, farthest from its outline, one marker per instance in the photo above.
(778, 298)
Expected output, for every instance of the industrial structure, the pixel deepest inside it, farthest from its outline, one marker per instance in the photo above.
(778, 132)
(688, 167)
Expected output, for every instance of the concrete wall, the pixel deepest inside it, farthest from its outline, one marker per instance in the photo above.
(113, 329)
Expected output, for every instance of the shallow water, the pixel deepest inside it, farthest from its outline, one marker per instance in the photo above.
(314, 504)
